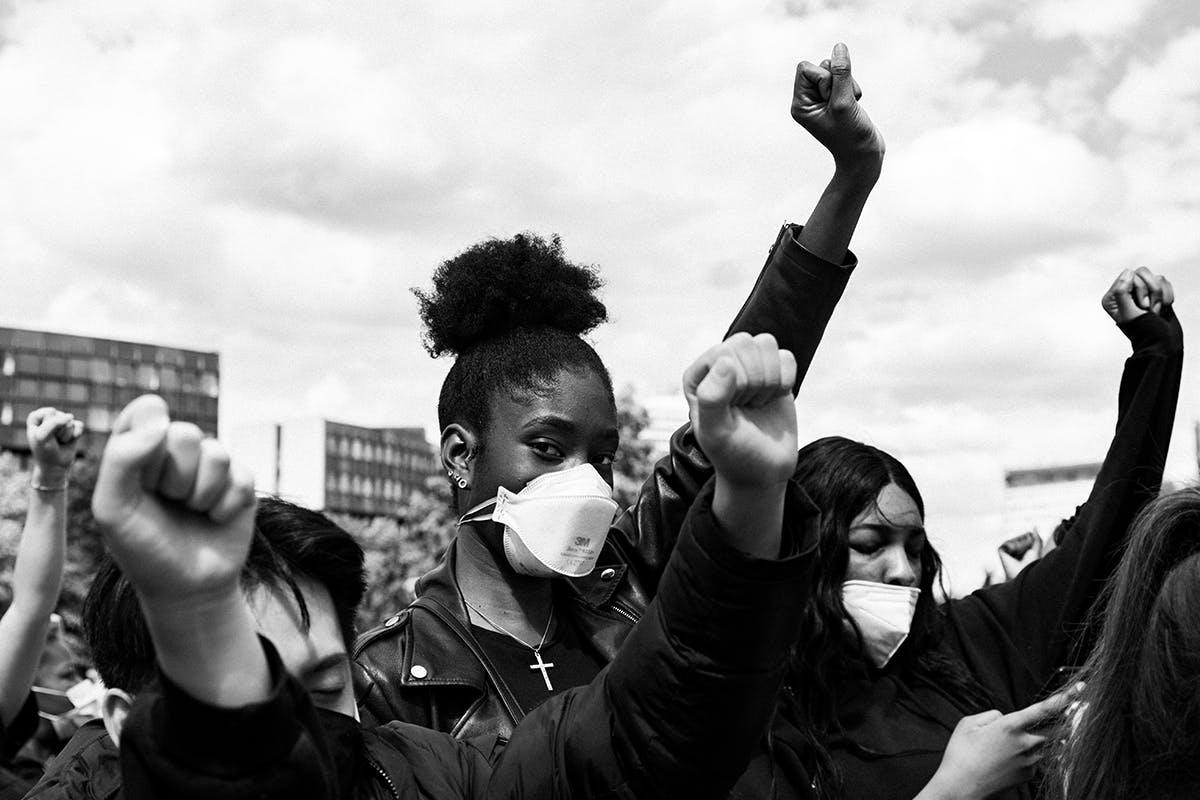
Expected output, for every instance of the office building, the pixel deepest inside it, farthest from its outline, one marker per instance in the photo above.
(95, 378)
(333, 466)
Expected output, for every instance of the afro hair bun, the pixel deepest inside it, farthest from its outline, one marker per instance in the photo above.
(501, 285)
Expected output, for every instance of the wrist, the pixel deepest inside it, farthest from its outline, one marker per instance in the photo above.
(861, 170)
(49, 479)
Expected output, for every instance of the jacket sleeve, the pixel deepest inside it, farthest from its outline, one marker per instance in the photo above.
(1043, 610)
(175, 746)
(14, 736)
(692, 691)
(793, 299)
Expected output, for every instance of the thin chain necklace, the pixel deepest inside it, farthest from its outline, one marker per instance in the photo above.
(541, 665)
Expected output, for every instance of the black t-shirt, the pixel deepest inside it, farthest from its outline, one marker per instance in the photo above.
(572, 664)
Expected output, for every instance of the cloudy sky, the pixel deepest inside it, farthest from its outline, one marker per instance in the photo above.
(268, 180)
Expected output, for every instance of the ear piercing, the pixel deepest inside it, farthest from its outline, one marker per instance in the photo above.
(458, 479)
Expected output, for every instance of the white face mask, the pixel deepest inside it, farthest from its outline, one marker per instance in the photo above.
(883, 614)
(556, 525)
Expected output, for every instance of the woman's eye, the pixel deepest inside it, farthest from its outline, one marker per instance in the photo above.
(865, 548)
(547, 449)
(606, 460)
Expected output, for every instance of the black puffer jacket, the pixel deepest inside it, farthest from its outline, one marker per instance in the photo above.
(423, 665)
(678, 713)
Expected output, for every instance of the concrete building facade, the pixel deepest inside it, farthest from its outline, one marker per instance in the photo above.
(334, 466)
(95, 378)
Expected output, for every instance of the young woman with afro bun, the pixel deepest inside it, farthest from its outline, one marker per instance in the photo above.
(540, 587)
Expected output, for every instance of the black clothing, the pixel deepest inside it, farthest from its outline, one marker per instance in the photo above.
(676, 714)
(423, 666)
(18, 774)
(1018, 639)
(568, 663)
(88, 768)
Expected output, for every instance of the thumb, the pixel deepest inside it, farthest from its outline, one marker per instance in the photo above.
(133, 455)
(719, 386)
(841, 95)
(1120, 301)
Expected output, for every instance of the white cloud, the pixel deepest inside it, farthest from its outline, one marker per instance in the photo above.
(270, 180)
(1086, 18)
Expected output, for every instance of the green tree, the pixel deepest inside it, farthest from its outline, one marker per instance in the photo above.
(401, 548)
(635, 460)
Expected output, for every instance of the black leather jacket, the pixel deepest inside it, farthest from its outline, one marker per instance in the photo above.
(423, 666)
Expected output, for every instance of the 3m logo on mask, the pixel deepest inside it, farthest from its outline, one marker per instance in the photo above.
(556, 525)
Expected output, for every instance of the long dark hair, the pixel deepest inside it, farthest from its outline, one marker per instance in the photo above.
(844, 478)
(1137, 733)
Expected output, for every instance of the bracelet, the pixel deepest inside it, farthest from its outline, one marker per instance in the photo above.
(38, 487)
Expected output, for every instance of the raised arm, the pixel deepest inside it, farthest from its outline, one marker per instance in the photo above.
(37, 576)
(793, 298)
(178, 518)
(1044, 608)
(686, 702)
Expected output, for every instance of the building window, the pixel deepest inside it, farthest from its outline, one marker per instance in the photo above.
(168, 379)
(10, 364)
(78, 369)
(102, 371)
(356, 450)
(54, 366)
(147, 377)
(28, 364)
(6, 414)
(124, 374)
(99, 418)
(27, 388)
(208, 385)
(77, 392)
(53, 391)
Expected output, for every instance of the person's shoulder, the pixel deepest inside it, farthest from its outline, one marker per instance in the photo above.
(385, 636)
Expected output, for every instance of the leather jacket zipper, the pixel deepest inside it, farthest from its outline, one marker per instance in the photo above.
(386, 778)
(626, 613)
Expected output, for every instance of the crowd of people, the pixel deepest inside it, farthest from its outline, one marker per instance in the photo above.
(762, 622)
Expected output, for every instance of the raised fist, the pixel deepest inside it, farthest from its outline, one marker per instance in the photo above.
(825, 103)
(53, 437)
(177, 516)
(1136, 292)
(742, 411)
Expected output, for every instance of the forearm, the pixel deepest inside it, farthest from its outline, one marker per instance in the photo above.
(750, 518)
(831, 225)
(37, 575)
(209, 647)
(37, 580)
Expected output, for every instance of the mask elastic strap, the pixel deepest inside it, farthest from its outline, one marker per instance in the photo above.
(475, 514)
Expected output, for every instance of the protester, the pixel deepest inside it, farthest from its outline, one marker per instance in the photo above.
(528, 419)
(1137, 731)
(37, 578)
(872, 702)
(677, 713)
(298, 558)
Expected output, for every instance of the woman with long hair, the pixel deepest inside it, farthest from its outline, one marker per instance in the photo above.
(1136, 731)
(536, 592)
(893, 696)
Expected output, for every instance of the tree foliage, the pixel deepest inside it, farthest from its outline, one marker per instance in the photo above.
(635, 461)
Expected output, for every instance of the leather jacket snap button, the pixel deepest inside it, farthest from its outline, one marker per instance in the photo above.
(391, 621)
(608, 574)
(418, 671)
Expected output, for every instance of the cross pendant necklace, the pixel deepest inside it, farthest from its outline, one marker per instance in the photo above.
(541, 665)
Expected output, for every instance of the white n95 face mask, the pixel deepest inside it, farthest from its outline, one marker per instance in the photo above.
(883, 614)
(556, 525)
